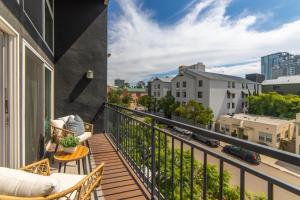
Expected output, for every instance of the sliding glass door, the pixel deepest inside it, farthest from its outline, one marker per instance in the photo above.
(38, 106)
(4, 114)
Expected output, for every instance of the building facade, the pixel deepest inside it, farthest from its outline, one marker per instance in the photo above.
(222, 93)
(259, 78)
(260, 129)
(44, 70)
(283, 85)
(160, 87)
(197, 67)
(297, 133)
(280, 64)
(120, 83)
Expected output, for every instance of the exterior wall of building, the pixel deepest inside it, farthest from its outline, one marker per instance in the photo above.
(254, 129)
(189, 89)
(24, 32)
(159, 88)
(297, 133)
(282, 88)
(81, 45)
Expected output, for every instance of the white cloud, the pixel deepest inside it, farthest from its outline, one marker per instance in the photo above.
(140, 46)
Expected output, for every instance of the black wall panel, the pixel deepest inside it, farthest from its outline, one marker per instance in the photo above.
(34, 9)
(80, 45)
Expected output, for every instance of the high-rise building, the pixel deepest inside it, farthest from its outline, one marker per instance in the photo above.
(280, 64)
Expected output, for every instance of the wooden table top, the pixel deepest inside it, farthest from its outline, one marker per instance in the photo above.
(81, 152)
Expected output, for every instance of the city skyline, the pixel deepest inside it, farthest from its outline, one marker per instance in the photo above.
(161, 42)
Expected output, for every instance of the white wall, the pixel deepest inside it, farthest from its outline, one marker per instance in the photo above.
(165, 87)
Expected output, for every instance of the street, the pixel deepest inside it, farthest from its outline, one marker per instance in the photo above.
(253, 184)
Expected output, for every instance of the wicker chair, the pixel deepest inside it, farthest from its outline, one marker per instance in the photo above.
(59, 133)
(81, 191)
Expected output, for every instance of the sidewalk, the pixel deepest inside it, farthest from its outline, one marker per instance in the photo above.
(282, 166)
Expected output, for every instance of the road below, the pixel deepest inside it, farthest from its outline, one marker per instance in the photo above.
(253, 184)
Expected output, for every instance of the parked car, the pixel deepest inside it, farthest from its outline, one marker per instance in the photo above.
(183, 131)
(209, 141)
(244, 154)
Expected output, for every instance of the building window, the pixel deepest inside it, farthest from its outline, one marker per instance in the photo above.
(246, 86)
(158, 86)
(177, 94)
(184, 94)
(243, 104)
(155, 94)
(228, 95)
(233, 105)
(233, 95)
(200, 95)
(265, 137)
(49, 25)
(243, 86)
(233, 84)
(158, 94)
(228, 105)
(246, 104)
(200, 83)
(178, 85)
(229, 84)
(184, 84)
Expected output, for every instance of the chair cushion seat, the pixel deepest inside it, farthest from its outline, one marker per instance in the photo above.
(84, 137)
(66, 181)
(24, 184)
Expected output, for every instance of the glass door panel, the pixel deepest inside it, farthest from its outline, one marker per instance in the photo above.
(34, 107)
(48, 106)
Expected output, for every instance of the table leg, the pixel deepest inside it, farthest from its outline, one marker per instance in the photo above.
(78, 166)
(59, 167)
(65, 166)
(84, 165)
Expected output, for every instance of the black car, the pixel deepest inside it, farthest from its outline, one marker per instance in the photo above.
(244, 154)
(209, 141)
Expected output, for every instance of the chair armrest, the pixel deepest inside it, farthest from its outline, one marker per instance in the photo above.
(89, 127)
(59, 133)
(84, 188)
(41, 167)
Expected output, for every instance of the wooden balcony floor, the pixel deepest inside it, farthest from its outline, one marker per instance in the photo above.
(118, 181)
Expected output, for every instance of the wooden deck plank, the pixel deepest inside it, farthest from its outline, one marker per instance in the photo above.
(117, 183)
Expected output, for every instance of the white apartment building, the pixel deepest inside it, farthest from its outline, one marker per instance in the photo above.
(260, 129)
(224, 94)
(160, 87)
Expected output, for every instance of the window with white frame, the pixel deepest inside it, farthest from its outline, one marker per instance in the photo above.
(265, 137)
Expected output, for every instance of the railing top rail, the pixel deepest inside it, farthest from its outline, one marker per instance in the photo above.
(262, 149)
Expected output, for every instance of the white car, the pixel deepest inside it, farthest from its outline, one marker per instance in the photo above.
(183, 131)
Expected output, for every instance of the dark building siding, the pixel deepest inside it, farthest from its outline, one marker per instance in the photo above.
(80, 45)
(17, 10)
(259, 78)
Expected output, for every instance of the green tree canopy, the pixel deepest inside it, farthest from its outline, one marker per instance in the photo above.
(167, 104)
(274, 104)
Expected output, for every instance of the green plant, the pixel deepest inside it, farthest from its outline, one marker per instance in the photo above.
(69, 141)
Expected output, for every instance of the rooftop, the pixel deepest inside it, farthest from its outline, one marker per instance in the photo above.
(164, 79)
(136, 90)
(216, 76)
(258, 119)
(283, 80)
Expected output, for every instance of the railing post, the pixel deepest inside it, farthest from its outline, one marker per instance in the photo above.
(118, 128)
(153, 161)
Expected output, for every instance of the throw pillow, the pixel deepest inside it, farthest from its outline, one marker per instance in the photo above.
(75, 125)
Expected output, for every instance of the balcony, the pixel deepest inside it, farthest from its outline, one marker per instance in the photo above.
(144, 161)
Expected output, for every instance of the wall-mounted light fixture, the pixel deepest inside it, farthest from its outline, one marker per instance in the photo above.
(90, 74)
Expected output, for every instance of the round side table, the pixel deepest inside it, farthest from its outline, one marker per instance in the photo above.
(80, 154)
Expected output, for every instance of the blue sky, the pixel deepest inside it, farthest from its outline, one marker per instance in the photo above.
(153, 36)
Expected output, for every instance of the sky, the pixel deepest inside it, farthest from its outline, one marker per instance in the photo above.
(149, 38)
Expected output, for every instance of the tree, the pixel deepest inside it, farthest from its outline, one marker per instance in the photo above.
(114, 96)
(167, 104)
(196, 112)
(127, 99)
(274, 104)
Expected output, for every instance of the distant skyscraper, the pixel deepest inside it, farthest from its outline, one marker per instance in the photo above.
(280, 64)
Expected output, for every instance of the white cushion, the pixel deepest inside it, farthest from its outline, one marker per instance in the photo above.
(84, 137)
(66, 118)
(24, 184)
(58, 123)
(66, 181)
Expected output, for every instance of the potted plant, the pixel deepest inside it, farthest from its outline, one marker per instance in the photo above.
(69, 143)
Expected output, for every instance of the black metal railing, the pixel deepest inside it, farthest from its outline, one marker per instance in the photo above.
(169, 167)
